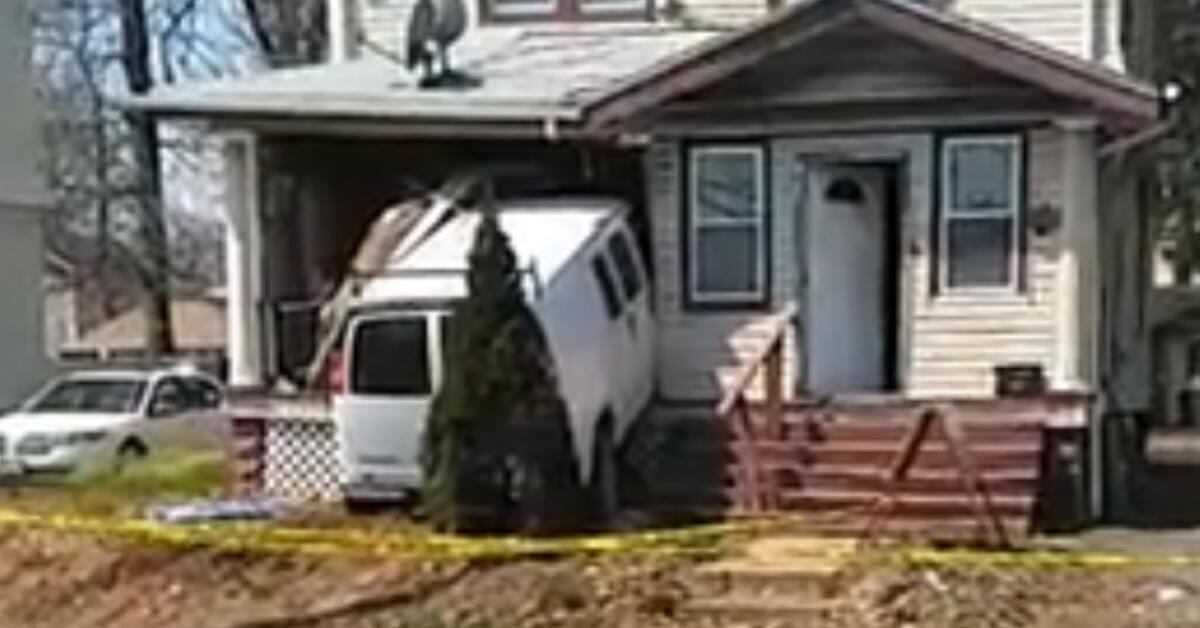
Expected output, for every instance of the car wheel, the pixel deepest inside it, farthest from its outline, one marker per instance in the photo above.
(129, 453)
(604, 473)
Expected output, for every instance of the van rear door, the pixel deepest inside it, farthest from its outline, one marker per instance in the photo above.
(393, 364)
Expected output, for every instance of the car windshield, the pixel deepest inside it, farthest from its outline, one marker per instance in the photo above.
(90, 395)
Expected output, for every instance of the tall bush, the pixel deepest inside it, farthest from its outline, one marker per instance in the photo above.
(497, 449)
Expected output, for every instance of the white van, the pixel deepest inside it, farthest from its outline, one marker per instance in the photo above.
(585, 282)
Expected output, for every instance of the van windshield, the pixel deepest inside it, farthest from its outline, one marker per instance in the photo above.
(391, 357)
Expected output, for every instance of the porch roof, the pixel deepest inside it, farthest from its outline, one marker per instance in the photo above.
(1114, 95)
(526, 73)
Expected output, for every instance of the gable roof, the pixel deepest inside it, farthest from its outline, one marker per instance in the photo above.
(1109, 92)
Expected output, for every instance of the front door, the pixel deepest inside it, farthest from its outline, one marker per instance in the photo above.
(846, 239)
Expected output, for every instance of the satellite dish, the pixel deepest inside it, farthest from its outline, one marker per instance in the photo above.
(433, 27)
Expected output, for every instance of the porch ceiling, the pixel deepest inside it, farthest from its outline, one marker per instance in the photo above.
(943, 55)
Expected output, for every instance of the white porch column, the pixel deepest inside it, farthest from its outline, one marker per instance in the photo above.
(1078, 288)
(343, 30)
(243, 260)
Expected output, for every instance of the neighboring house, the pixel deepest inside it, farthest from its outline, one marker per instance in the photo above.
(78, 295)
(23, 361)
(929, 184)
(199, 324)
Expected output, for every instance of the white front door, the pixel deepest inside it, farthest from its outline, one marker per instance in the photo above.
(846, 243)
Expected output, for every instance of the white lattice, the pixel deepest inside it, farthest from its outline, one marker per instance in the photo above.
(302, 461)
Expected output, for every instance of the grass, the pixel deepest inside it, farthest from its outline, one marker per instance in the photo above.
(163, 477)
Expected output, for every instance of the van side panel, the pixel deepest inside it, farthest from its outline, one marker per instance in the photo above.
(574, 321)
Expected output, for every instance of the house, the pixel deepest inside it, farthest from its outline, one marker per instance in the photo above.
(93, 311)
(23, 361)
(936, 189)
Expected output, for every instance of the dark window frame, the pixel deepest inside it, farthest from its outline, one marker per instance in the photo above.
(606, 283)
(939, 259)
(692, 301)
(566, 11)
(620, 249)
(425, 386)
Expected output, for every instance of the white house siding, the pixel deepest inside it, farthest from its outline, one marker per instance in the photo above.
(957, 340)
(700, 351)
(1064, 24)
(23, 359)
(949, 344)
(723, 13)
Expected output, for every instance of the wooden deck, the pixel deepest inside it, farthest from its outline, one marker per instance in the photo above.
(834, 461)
(938, 467)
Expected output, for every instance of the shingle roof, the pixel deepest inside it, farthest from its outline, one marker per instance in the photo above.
(597, 74)
(527, 73)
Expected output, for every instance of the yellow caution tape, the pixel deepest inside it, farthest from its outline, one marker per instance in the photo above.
(705, 540)
(1043, 559)
(414, 543)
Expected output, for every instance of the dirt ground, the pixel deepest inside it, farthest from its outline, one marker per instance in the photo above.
(58, 580)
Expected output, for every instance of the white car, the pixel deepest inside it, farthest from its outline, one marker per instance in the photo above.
(110, 418)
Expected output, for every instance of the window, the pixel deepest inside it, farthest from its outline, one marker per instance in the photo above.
(981, 197)
(622, 255)
(512, 10)
(608, 288)
(79, 396)
(202, 394)
(169, 398)
(391, 357)
(727, 225)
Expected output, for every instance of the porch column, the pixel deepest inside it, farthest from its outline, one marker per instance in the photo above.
(343, 29)
(243, 260)
(1078, 290)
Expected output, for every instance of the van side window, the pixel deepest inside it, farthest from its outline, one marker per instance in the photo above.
(608, 288)
(627, 270)
(391, 357)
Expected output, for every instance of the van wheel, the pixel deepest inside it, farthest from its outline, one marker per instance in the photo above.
(605, 489)
(129, 453)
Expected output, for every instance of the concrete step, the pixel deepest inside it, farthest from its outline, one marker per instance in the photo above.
(773, 612)
(743, 577)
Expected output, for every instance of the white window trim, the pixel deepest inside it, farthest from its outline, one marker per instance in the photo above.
(695, 223)
(612, 7)
(523, 9)
(1016, 142)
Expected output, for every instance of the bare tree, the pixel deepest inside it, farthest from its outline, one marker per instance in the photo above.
(287, 32)
(155, 274)
(106, 164)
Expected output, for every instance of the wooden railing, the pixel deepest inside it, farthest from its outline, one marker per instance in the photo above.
(757, 490)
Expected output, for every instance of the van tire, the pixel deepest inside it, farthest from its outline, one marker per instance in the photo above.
(605, 485)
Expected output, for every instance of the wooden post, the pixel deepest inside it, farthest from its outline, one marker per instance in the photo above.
(974, 487)
(749, 493)
(773, 381)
